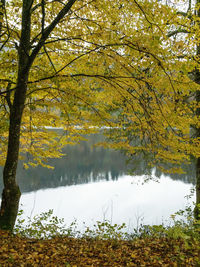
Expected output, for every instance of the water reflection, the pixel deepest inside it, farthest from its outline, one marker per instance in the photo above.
(126, 200)
(86, 163)
(82, 164)
(71, 191)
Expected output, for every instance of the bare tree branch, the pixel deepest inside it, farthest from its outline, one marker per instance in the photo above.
(49, 58)
(2, 13)
(7, 97)
(49, 29)
(175, 32)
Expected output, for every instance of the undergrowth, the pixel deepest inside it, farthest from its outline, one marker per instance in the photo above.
(46, 241)
(46, 226)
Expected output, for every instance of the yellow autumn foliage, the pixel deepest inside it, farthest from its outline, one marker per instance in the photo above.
(119, 64)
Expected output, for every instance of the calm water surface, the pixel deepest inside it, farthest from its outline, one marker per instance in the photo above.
(92, 184)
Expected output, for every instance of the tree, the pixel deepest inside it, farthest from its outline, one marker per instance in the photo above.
(50, 76)
(157, 102)
(47, 50)
(26, 58)
(84, 63)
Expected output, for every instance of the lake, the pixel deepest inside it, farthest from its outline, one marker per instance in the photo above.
(92, 184)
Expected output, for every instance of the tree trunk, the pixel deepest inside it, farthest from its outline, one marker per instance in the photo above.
(197, 80)
(11, 192)
(197, 207)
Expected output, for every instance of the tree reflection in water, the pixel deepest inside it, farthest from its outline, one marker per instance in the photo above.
(86, 163)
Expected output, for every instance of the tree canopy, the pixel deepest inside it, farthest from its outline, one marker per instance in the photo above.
(128, 57)
(81, 65)
(156, 79)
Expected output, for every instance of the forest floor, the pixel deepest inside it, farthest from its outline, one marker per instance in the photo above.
(64, 251)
